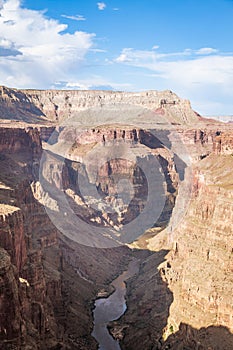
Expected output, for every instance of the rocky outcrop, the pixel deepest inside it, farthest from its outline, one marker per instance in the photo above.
(12, 236)
(16, 140)
(35, 106)
(203, 243)
(118, 163)
(190, 338)
(9, 301)
(57, 105)
(148, 301)
(223, 143)
(15, 105)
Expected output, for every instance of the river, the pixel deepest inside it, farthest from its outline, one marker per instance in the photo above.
(111, 308)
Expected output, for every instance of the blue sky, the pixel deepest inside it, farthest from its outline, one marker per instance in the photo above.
(181, 45)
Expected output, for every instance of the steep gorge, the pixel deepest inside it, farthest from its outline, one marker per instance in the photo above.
(181, 297)
(196, 274)
(47, 282)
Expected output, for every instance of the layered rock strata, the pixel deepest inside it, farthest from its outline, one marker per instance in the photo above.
(197, 271)
(180, 299)
(41, 105)
(47, 283)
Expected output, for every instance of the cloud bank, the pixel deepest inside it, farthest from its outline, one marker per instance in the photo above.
(35, 51)
(188, 67)
(205, 74)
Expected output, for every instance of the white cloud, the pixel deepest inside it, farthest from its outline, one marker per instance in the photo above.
(98, 50)
(206, 51)
(116, 9)
(148, 58)
(75, 18)
(5, 43)
(126, 56)
(101, 6)
(46, 51)
(214, 69)
(92, 82)
(204, 76)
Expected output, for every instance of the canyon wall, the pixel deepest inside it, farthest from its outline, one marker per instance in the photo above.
(47, 283)
(52, 282)
(57, 105)
(182, 296)
(15, 105)
(34, 106)
(201, 261)
(193, 282)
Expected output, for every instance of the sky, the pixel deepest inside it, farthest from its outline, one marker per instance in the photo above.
(181, 45)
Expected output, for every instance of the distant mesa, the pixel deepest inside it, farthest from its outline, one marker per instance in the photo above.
(46, 106)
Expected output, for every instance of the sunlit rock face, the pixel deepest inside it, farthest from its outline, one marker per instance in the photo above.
(59, 105)
(124, 179)
(201, 262)
(197, 271)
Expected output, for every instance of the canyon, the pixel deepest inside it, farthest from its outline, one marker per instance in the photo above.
(90, 181)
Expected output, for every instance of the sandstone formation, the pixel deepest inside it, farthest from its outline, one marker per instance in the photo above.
(197, 270)
(54, 153)
(39, 106)
(47, 283)
(206, 230)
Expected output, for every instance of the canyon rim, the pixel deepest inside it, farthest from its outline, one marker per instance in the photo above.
(93, 180)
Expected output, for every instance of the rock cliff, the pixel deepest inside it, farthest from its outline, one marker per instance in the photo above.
(182, 296)
(223, 143)
(34, 106)
(203, 242)
(197, 270)
(47, 283)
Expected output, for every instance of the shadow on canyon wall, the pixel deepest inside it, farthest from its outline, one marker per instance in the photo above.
(15, 105)
(209, 338)
(53, 311)
(143, 324)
